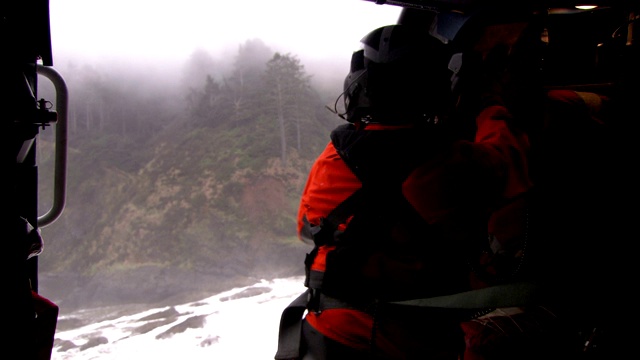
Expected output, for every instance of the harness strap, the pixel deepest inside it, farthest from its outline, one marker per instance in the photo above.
(327, 231)
(291, 328)
(499, 296)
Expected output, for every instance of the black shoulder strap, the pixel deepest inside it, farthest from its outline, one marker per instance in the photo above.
(291, 327)
(326, 232)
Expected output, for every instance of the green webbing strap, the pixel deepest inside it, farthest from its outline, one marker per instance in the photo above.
(508, 295)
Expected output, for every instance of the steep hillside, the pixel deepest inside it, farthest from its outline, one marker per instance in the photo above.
(205, 201)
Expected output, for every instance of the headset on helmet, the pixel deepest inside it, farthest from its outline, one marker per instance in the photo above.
(355, 84)
(399, 75)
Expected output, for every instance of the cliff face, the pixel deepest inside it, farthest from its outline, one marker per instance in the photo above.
(179, 225)
(204, 210)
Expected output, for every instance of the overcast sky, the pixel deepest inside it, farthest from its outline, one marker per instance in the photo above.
(162, 30)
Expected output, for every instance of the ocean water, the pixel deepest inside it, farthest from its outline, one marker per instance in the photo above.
(241, 323)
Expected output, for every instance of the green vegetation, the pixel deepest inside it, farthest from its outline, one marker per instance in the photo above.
(206, 180)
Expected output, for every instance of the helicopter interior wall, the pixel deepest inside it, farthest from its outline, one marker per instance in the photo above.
(470, 5)
(585, 48)
(580, 47)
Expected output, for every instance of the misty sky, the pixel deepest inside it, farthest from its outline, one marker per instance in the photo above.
(162, 31)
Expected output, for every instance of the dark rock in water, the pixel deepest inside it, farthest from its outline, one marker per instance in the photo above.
(93, 342)
(252, 291)
(151, 325)
(170, 313)
(63, 345)
(192, 322)
(212, 340)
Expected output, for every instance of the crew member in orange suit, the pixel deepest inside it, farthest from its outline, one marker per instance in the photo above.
(398, 204)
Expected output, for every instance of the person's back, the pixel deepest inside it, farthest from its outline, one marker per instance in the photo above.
(398, 206)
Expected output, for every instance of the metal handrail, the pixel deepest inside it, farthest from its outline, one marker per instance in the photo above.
(60, 172)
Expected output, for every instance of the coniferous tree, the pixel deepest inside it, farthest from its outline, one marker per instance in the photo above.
(195, 71)
(242, 87)
(199, 84)
(206, 105)
(287, 85)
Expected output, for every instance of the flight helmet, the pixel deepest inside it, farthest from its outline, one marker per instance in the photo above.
(400, 75)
